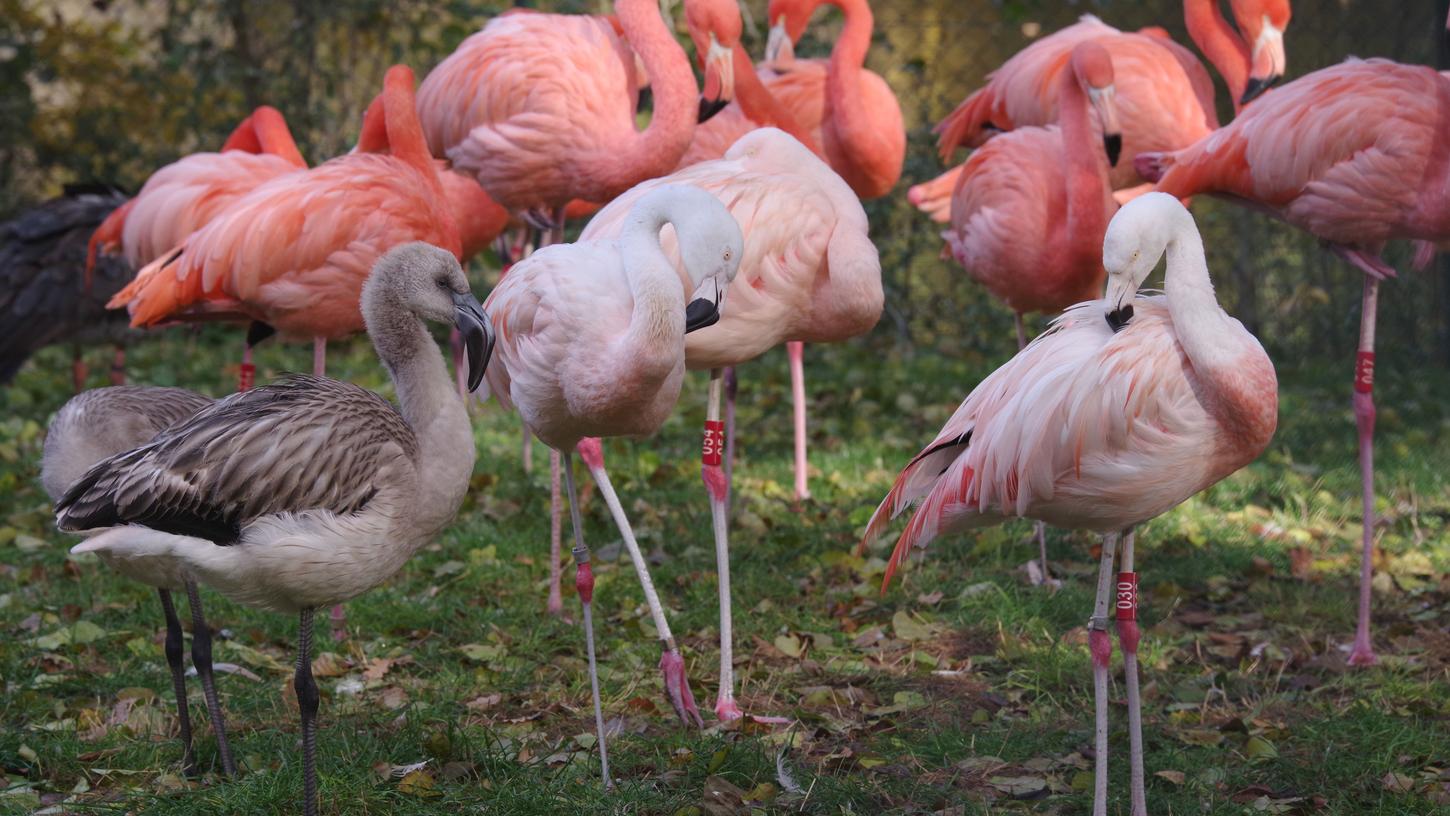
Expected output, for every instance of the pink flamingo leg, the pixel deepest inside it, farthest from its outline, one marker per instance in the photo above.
(1101, 647)
(1127, 613)
(796, 351)
(672, 665)
(78, 371)
(584, 581)
(1040, 528)
(1364, 413)
(732, 385)
(716, 486)
(556, 531)
(526, 450)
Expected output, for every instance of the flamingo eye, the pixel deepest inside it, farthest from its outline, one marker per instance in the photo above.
(727, 254)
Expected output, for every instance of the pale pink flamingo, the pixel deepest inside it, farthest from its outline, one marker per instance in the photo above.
(851, 111)
(1125, 408)
(540, 109)
(294, 252)
(184, 196)
(1356, 155)
(1031, 206)
(591, 343)
(810, 273)
(1165, 95)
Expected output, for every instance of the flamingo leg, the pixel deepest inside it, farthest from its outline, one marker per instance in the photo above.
(732, 385)
(556, 534)
(1101, 647)
(526, 450)
(1039, 528)
(77, 370)
(796, 351)
(174, 651)
(1128, 636)
(584, 580)
(1362, 653)
(672, 665)
(307, 700)
(118, 365)
(201, 659)
(718, 489)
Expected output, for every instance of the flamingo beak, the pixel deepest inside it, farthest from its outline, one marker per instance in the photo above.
(1268, 62)
(778, 46)
(1105, 101)
(1120, 294)
(719, 80)
(702, 312)
(477, 330)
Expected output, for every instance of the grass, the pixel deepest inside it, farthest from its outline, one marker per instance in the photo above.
(961, 691)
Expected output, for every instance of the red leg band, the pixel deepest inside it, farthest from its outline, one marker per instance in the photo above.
(1364, 372)
(1127, 596)
(246, 376)
(713, 445)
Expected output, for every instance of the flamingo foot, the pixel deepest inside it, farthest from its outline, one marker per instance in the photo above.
(727, 710)
(677, 686)
(1362, 654)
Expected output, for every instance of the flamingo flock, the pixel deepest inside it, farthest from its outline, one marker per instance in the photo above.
(730, 224)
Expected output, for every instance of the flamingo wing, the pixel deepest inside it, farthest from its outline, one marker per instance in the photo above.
(1081, 424)
(280, 448)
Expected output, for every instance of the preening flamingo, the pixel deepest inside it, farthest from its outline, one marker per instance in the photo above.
(1031, 206)
(540, 107)
(1123, 409)
(103, 422)
(1356, 155)
(42, 299)
(592, 343)
(310, 491)
(809, 273)
(1164, 93)
(851, 111)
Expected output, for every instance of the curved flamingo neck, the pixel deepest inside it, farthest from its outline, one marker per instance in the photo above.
(405, 141)
(658, 149)
(1087, 214)
(761, 106)
(659, 301)
(848, 57)
(265, 131)
(1220, 43)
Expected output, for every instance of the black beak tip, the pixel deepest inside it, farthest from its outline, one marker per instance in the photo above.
(1256, 87)
(477, 331)
(710, 107)
(1118, 318)
(1113, 145)
(701, 313)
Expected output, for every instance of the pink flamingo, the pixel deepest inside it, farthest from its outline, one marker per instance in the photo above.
(810, 273)
(540, 109)
(1031, 206)
(1164, 93)
(1355, 154)
(184, 196)
(590, 343)
(1126, 407)
(851, 111)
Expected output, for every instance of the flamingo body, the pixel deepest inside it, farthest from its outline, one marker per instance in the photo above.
(809, 272)
(1159, 94)
(1354, 154)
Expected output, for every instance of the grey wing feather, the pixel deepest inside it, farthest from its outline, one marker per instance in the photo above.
(300, 444)
(42, 266)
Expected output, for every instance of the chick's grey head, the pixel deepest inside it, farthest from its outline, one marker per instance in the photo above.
(429, 283)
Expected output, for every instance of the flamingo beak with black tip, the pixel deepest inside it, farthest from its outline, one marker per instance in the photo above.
(477, 331)
(778, 45)
(1104, 101)
(703, 312)
(1268, 62)
(719, 79)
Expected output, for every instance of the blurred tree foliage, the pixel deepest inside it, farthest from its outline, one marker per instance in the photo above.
(107, 90)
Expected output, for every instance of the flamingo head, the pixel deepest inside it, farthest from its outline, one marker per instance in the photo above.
(1262, 23)
(428, 282)
(1094, 69)
(710, 245)
(788, 19)
(715, 28)
(1135, 240)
